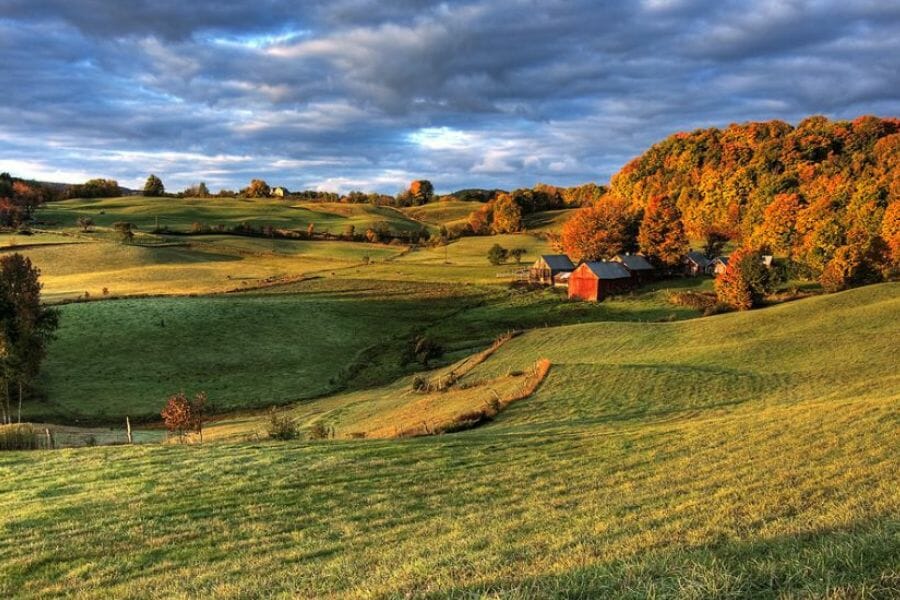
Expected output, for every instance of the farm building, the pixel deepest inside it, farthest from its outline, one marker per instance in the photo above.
(717, 265)
(695, 263)
(597, 280)
(562, 279)
(638, 266)
(280, 192)
(548, 266)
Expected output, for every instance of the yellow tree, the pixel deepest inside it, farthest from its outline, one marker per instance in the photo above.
(507, 215)
(598, 232)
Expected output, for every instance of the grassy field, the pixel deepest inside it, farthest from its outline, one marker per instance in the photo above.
(309, 338)
(178, 214)
(741, 456)
(445, 212)
(197, 265)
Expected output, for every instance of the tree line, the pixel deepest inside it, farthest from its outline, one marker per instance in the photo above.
(824, 196)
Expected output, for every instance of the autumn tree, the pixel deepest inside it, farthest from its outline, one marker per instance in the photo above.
(661, 236)
(507, 215)
(26, 328)
(600, 231)
(890, 231)
(778, 231)
(421, 191)
(746, 280)
(852, 264)
(183, 416)
(154, 186)
(257, 189)
(479, 220)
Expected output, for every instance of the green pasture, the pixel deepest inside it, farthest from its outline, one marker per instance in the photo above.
(739, 456)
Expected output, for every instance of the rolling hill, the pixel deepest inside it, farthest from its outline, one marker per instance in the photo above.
(742, 455)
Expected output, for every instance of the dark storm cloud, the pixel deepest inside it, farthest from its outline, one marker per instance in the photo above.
(359, 93)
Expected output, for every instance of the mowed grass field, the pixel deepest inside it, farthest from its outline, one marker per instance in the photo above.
(740, 456)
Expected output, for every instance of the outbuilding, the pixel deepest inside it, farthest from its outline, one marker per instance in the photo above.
(548, 266)
(595, 281)
(717, 265)
(695, 263)
(637, 266)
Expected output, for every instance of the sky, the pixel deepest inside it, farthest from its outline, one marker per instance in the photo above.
(367, 94)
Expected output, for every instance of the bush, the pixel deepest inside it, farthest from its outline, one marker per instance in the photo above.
(318, 431)
(281, 427)
(18, 437)
(702, 301)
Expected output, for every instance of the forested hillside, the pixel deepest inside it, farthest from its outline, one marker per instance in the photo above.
(819, 192)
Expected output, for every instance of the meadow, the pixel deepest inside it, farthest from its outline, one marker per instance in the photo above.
(179, 214)
(736, 456)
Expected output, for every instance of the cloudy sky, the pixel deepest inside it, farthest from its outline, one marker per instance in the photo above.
(367, 94)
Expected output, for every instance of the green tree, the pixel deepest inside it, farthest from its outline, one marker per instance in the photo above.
(497, 254)
(154, 186)
(26, 327)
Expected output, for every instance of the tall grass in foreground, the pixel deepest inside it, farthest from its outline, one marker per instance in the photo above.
(19, 436)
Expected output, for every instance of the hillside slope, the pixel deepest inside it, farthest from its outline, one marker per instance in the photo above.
(744, 456)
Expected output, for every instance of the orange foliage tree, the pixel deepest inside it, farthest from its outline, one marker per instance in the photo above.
(745, 281)
(182, 415)
(600, 231)
(661, 236)
(480, 220)
(890, 231)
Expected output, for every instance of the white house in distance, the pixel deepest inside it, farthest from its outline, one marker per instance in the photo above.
(280, 192)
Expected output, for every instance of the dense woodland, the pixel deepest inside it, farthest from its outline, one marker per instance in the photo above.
(824, 195)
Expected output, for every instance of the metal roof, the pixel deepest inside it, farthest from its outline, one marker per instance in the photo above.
(634, 262)
(608, 270)
(698, 258)
(558, 262)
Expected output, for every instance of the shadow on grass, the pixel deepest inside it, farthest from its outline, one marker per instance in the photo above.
(858, 561)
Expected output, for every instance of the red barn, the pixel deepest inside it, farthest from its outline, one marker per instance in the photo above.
(596, 280)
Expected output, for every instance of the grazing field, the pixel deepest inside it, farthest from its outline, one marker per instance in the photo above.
(633, 472)
(281, 344)
(179, 214)
(461, 261)
(201, 264)
(444, 212)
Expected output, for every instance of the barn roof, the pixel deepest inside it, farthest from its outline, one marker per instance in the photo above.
(558, 262)
(721, 259)
(698, 258)
(607, 270)
(634, 262)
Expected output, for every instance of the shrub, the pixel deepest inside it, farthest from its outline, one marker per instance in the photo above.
(281, 427)
(697, 300)
(318, 431)
(182, 415)
(18, 437)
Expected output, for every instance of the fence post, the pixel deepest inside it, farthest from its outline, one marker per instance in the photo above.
(49, 438)
(128, 430)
